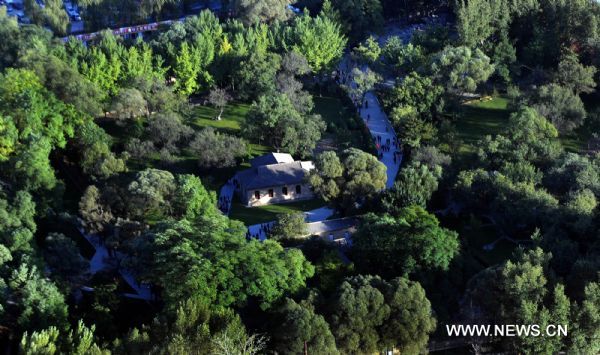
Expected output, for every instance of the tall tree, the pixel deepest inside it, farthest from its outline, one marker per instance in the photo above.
(319, 40)
(369, 313)
(561, 106)
(574, 75)
(274, 119)
(217, 150)
(414, 186)
(397, 245)
(300, 329)
(219, 98)
(360, 16)
(186, 69)
(461, 69)
(253, 11)
(349, 181)
(289, 225)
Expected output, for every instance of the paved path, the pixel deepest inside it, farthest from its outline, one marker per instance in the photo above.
(384, 136)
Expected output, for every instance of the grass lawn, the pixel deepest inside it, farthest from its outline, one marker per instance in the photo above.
(478, 119)
(482, 118)
(233, 117)
(262, 214)
(231, 122)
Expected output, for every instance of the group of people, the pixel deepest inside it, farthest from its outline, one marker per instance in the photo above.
(341, 77)
(224, 204)
(386, 147)
(264, 229)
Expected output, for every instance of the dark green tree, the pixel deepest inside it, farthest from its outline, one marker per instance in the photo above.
(414, 186)
(299, 328)
(397, 245)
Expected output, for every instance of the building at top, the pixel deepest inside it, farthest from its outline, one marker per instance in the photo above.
(274, 178)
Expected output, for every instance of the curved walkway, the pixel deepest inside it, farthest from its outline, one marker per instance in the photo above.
(384, 136)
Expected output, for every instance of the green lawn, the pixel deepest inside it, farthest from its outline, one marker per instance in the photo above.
(478, 119)
(231, 120)
(262, 214)
(482, 118)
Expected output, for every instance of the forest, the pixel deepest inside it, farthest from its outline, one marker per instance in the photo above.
(118, 236)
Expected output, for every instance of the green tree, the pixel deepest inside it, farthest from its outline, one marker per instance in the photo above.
(414, 186)
(503, 57)
(39, 124)
(584, 338)
(97, 159)
(102, 70)
(64, 259)
(411, 320)
(219, 99)
(52, 14)
(256, 75)
(478, 20)
(289, 225)
(360, 16)
(191, 199)
(461, 69)
(65, 82)
(402, 58)
(129, 104)
(561, 106)
(359, 309)
(574, 75)
(412, 130)
(529, 136)
(217, 150)
(418, 92)
(211, 260)
(94, 210)
(151, 192)
(350, 181)
(186, 69)
(410, 241)
(167, 131)
(327, 176)
(42, 342)
(299, 328)
(319, 40)
(369, 313)
(274, 119)
(39, 302)
(367, 51)
(17, 224)
(361, 81)
(253, 11)
(9, 29)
